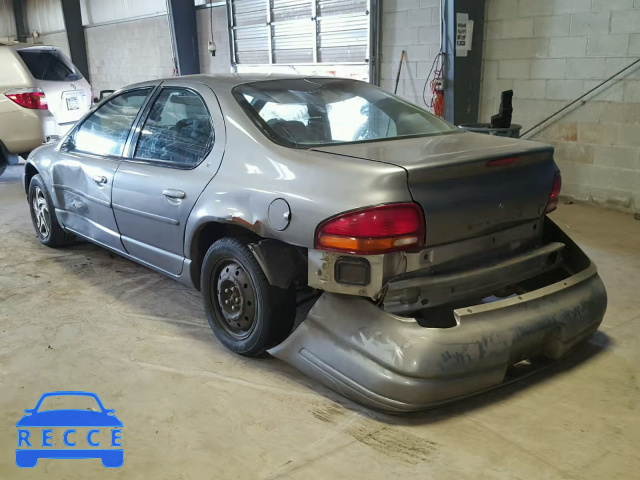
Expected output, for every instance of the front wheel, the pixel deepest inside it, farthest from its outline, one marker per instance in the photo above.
(43, 215)
(246, 313)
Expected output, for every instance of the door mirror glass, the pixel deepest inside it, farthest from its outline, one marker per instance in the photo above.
(68, 145)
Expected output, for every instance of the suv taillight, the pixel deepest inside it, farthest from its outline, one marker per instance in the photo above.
(552, 204)
(374, 230)
(31, 98)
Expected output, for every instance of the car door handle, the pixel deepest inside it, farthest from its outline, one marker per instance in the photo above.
(178, 194)
(100, 180)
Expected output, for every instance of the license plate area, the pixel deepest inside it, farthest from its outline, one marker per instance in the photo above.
(73, 103)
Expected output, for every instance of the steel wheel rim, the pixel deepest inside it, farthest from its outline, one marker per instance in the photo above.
(234, 298)
(41, 214)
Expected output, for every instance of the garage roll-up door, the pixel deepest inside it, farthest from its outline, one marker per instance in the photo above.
(299, 32)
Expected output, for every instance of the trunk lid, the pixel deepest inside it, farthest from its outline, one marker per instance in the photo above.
(67, 101)
(461, 194)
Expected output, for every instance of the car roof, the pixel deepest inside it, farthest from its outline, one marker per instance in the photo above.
(68, 392)
(230, 80)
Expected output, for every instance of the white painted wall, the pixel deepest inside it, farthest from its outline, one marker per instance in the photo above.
(100, 11)
(7, 20)
(550, 52)
(412, 26)
(123, 53)
(45, 16)
(221, 63)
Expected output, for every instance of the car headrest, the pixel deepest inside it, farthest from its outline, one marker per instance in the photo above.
(291, 130)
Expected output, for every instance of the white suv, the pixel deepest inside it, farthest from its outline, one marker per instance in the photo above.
(42, 94)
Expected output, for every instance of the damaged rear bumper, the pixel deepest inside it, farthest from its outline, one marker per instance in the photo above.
(392, 363)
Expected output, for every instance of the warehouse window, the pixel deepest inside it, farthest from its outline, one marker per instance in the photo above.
(315, 36)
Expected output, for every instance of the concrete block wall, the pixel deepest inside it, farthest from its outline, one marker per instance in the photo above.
(550, 52)
(128, 52)
(221, 63)
(412, 26)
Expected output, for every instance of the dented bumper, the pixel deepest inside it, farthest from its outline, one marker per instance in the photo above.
(392, 363)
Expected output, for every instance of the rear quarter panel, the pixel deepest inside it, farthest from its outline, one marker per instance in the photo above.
(316, 185)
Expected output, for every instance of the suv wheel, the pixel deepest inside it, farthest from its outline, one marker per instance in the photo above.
(43, 216)
(246, 313)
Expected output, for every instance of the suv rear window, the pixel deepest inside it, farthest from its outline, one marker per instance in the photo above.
(50, 65)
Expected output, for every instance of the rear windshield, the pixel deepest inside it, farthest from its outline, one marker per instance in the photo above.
(310, 112)
(49, 65)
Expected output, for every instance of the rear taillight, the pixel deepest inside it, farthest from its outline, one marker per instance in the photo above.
(552, 204)
(373, 230)
(31, 98)
(501, 162)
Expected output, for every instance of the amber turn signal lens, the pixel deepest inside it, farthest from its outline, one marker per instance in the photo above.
(369, 245)
(373, 230)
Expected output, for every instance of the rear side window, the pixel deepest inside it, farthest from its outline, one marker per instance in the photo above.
(50, 65)
(106, 130)
(178, 129)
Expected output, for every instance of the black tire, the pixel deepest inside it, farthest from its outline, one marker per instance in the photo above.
(4, 158)
(53, 235)
(266, 313)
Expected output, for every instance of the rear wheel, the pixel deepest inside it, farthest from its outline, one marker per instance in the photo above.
(4, 158)
(246, 313)
(43, 216)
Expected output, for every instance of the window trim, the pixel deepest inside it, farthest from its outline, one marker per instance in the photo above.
(72, 134)
(132, 141)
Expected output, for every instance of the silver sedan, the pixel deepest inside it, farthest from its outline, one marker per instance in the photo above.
(392, 256)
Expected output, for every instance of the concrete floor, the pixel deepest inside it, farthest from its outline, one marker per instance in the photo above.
(84, 319)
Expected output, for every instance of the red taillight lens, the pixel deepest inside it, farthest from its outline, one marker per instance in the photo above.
(374, 230)
(552, 204)
(31, 99)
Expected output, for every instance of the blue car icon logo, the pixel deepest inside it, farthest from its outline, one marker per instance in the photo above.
(42, 431)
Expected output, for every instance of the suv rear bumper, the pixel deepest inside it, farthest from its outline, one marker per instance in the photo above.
(391, 363)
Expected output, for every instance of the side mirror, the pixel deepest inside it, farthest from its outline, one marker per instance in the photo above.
(51, 138)
(67, 145)
(109, 411)
(28, 410)
(105, 93)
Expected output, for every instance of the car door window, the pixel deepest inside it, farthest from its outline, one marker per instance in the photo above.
(105, 131)
(178, 129)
